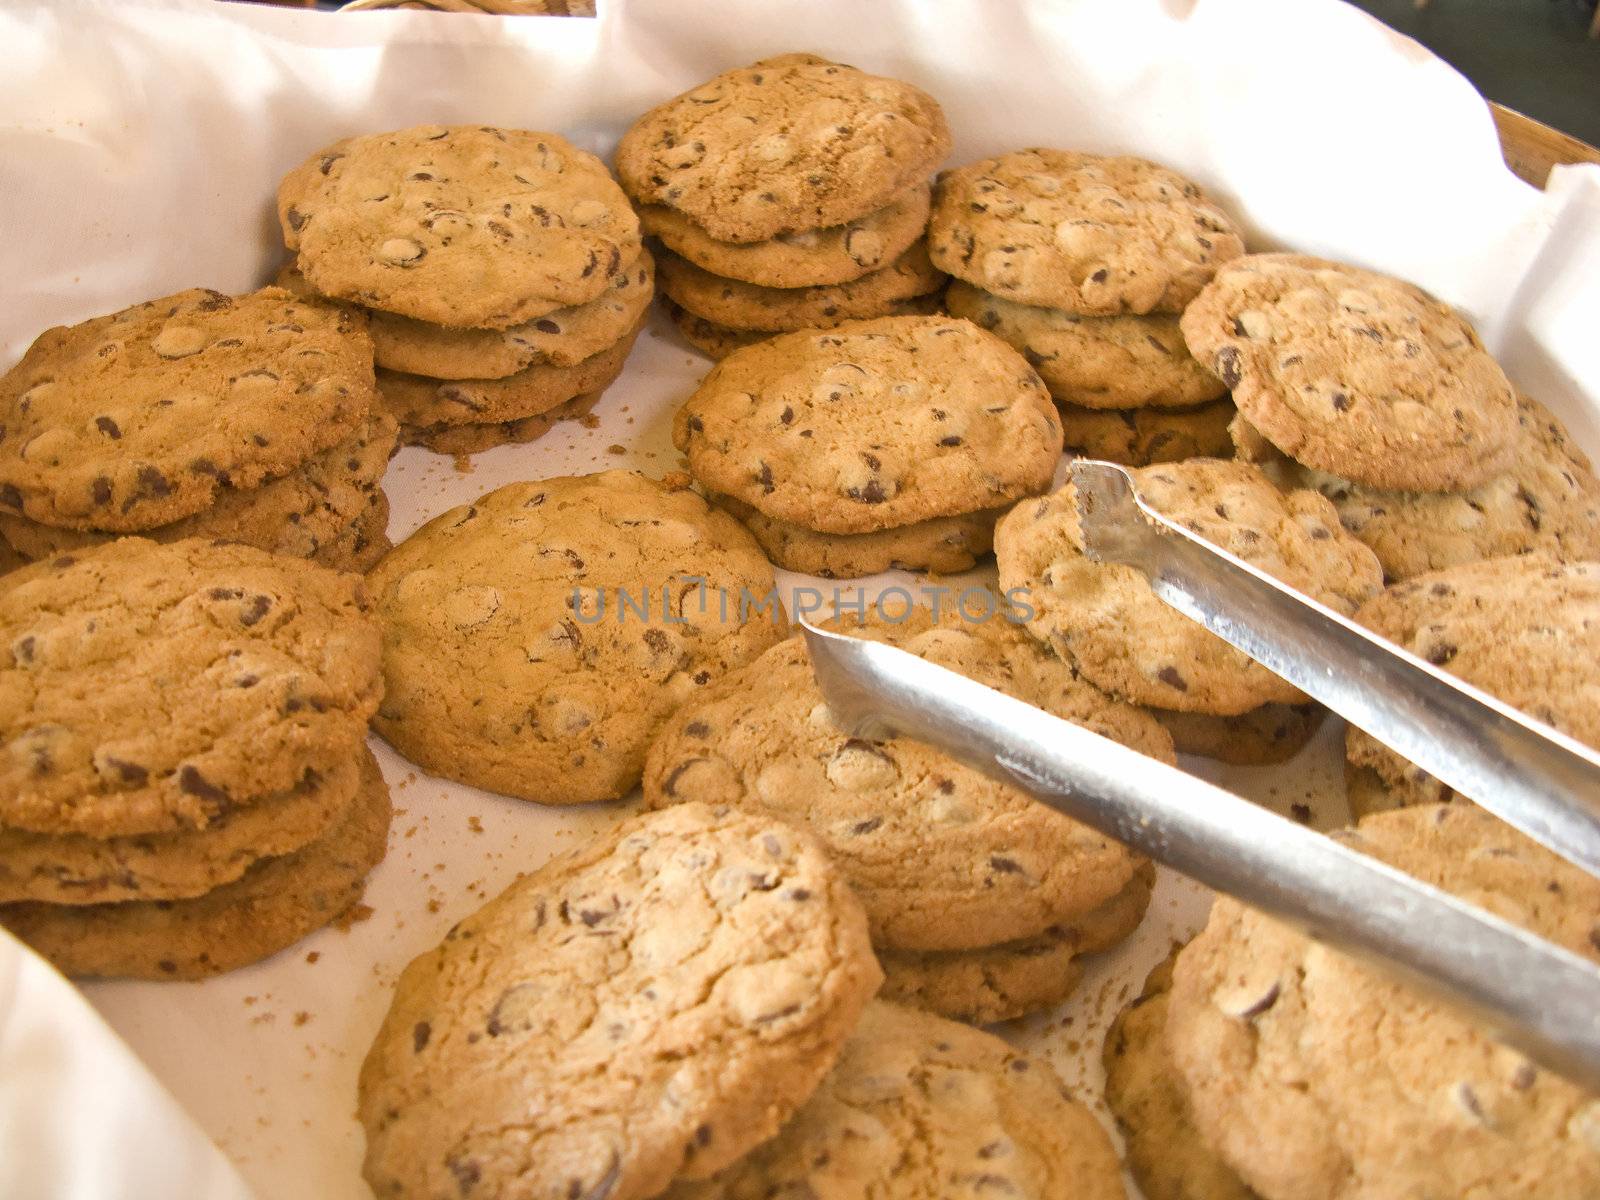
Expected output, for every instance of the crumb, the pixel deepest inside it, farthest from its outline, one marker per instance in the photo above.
(676, 480)
(616, 448)
(463, 464)
(300, 1018)
(353, 915)
(475, 825)
(589, 421)
(312, 956)
(434, 906)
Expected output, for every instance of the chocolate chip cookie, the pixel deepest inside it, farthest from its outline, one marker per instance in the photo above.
(535, 639)
(786, 144)
(461, 225)
(1356, 373)
(1082, 233)
(145, 416)
(649, 1006)
(872, 425)
(1104, 618)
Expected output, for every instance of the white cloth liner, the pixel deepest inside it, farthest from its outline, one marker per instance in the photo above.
(141, 147)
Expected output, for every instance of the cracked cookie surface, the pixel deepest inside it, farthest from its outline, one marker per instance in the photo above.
(148, 688)
(1526, 630)
(271, 906)
(1078, 232)
(1314, 1076)
(1356, 373)
(1105, 619)
(920, 1106)
(145, 416)
(649, 1006)
(872, 425)
(460, 225)
(494, 679)
(786, 144)
(943, 857)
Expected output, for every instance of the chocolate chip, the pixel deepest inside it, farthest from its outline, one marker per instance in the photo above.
(1005, 866)
(1524, 1077)
(870, 493)
(191, 782)
(697, 729)
(670, 784)
(130, 773)
(153, 483)
(257, 607)
(11, 497)
(1441, 653)
(1301, 813)
(866, 826)
(108, 427)
(1254, 1009)
(1170, 677)
(1227, 367)
(296, 219)
(420, 1033)
(764, 478)
(22, 649)
(467, 1173)
(952, 440)
(546, 325)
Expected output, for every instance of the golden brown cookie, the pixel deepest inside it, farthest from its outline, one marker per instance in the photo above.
(806, 258)
(1144, 437)
(1165, 1152)
(786, 144)
(1312, 1075)
(1094, 362)
(1356, 373)
(270, 907)
(475, 438)
(1523, 629)
(747, 306)
(416, 401)
(150, 689)
(526, 648)
(872, 425)
(459, 225)
(298, 513)
(1001, 983)
(943, 857)
(922, 1107)
(563, 337)
(649, 1006)
(145, 416)
(1082, 233)
(942, 546)
(1105, 619)
(75, 869)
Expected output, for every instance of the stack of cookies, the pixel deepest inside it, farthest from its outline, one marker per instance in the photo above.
(501, 268)
(789, 194)
(1383, 398)
(249, 418)
(1105, 620)
(683, 1008)
(981, 902)
(186, 787)
(892, 443)
(1262, 1065)
(1083, 263)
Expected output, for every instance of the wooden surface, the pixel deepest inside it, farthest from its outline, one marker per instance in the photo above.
(1531, 147)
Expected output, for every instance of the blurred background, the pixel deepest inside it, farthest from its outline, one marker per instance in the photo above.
(1540, 58)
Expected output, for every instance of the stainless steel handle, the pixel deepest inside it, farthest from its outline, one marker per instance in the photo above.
(1538, 997)
(1528, 774)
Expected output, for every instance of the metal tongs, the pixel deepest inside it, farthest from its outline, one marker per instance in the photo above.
(1536, 996)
